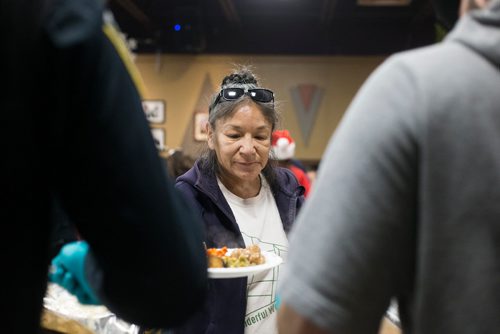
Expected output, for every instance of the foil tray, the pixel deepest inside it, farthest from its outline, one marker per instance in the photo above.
(63, 313)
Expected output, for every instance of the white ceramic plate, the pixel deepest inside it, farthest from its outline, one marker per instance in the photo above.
(272, 260)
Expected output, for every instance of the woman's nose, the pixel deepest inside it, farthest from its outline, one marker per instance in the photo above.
(247, 145)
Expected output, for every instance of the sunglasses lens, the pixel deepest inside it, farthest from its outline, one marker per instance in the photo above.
(232, 93)
(257, 94)
(261, 95)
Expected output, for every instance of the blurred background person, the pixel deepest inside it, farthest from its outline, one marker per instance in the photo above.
(406, 200)
(283, 150)
(73, 130)
(178, 163)
(243, 200)
(311, 173)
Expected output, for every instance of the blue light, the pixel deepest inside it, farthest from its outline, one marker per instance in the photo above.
(177, 27)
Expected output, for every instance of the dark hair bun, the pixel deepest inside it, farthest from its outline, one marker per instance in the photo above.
(240, 78)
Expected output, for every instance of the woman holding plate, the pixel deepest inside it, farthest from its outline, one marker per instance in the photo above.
(243, 200)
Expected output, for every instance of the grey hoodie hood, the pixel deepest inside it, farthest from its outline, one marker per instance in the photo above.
(480, 31)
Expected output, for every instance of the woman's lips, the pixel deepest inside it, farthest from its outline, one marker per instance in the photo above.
(247, 164)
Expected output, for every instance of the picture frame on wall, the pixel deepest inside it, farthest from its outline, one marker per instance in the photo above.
(159, 138)
(200, 126)
(154, 111)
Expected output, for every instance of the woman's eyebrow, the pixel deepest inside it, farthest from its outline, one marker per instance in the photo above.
(237, 127)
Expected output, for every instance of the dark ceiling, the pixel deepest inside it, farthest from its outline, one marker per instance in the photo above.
(298, 27)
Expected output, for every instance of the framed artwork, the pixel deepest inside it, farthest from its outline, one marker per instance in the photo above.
(154, 110)
(200, 123)
(159, 138)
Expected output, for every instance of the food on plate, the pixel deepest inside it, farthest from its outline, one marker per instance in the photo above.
(238, 257)
(214, 257)
(215, 262)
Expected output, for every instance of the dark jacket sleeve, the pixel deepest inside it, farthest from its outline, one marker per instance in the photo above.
(149, 261)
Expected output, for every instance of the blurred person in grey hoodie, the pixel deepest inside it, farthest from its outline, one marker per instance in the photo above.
(407, 198)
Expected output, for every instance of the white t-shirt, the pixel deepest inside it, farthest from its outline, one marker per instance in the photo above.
(260, 224)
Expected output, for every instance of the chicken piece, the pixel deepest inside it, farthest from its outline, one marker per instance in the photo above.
(255, 256)
(215, 262)
(254, 248)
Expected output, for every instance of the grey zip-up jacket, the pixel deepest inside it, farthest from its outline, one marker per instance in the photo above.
(407, 200)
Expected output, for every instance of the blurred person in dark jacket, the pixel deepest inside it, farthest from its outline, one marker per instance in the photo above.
(72, 127)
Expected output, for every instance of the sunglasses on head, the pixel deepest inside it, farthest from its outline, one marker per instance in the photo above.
(257, 94)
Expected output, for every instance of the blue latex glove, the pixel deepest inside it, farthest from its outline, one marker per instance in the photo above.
(68, 270)
(277, 302)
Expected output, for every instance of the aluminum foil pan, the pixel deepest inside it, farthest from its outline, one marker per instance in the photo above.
(62, 310)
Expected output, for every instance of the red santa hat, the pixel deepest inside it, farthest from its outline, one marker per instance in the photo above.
(283, 145)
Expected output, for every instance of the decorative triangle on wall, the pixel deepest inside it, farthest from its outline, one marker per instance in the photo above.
(306, 99)
(190, 146)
